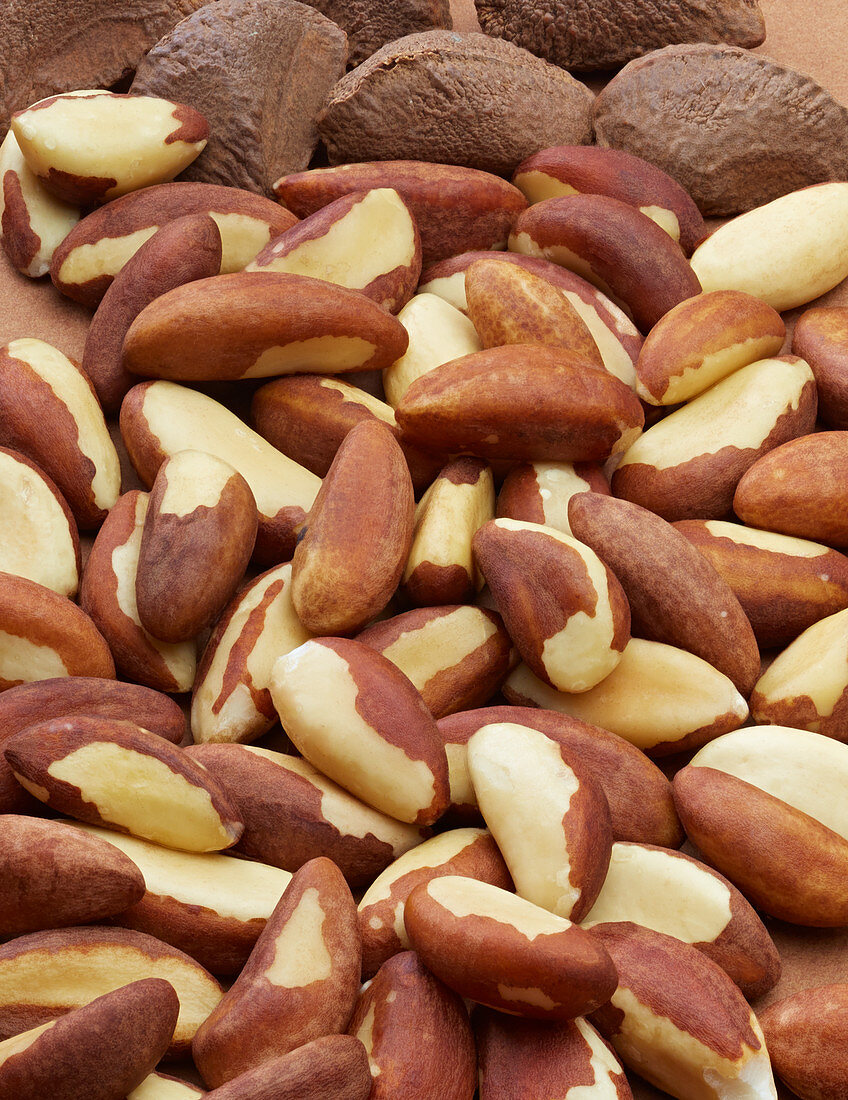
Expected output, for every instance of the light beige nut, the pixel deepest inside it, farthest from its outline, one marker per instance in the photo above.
(539, 492)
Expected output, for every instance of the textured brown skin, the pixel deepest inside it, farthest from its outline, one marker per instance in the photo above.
(54, 489)
(605, 35)
(308, 422)
(156, 206)
(334, 1067)
(477, 953)
(714, 117)
(675, 595)
(638, 794)
(188, 334)
(54, 875)
(703, 487)
(283, 822)
(351, 556)
(43, 51)
(100, 1051)
(391, 289)
(520, 497)
(35, 421)
(821, 337)
(183, 250)
(456, 209)
(259, 72)
(541, 403)
(257, 1021)
(98, 943)
(781, 594)
(479, 859)
(421, 1039)
(190, 566)
(786, 863)
(592, 170)
(801, 712)
(370, 25)
(476, 104)
(674, 980)
(644, 268)
(799, 489)
(509, 305)
(702, 326)
(31, 752)
(531, 1059)
(538, 584)
(805, 1037)
(470, 682)
(20, 241)
(43, 617)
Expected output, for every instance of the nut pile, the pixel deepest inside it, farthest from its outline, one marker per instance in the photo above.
(624, 498)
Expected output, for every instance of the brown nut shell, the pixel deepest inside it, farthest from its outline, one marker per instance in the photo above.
(821, 337)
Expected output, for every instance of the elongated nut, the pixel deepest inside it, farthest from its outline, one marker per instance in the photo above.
(299, 983)
(539, 492)
(357, 718)
(350, 559)
(821, 337)
(803, 1033)
(334, 1067)
(546, 812)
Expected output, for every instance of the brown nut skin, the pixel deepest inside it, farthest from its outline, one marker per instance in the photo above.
(799, 489)
(406, 1000)
(589, 169)
(299, 983)
(539, 492)
(805, 1035)
(504, 952)
(821, 337)
(456, 209)
(114, 232)
(334, 1067)
(197, 539)
(348, 563)
(783, 584)
(182, 251)
(521, 402)
(102, 1050)
(534, 1059)
(637, 793)
(615, 246)
(456, 656)
(675, 595)
(53, 875)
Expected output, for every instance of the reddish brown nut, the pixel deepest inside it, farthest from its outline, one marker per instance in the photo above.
(93, 253)
(440, 567)
(471, 853)
(457, 657)
(47, 974)
(675, 595)
(118, 774)
(524, 402)
(784, 584)
(563, 608)
(299, 983)
(182, 251)
(688, 465)
(196, 542)
(402, 1001)
(703, 340)
(589, 169)
(107, 594)
(357, 539)
(334, 1067)
(800, 489)
(539, 492)
(456, 209)
(620, 250)
(804, 1034)
(162, 1086)
(821, 337)
(100, 1051)
(292, 813)
(674, 894)
(547, 814)
(505, 952)
(357, 718)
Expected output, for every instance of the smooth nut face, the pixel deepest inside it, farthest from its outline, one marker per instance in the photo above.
(803, 1033)
(539, 492)
(821, 337)
(94, 148)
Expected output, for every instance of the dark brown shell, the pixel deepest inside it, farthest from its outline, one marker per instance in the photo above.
(370, 24)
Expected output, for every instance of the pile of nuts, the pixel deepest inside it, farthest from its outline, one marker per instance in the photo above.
(623, 496)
